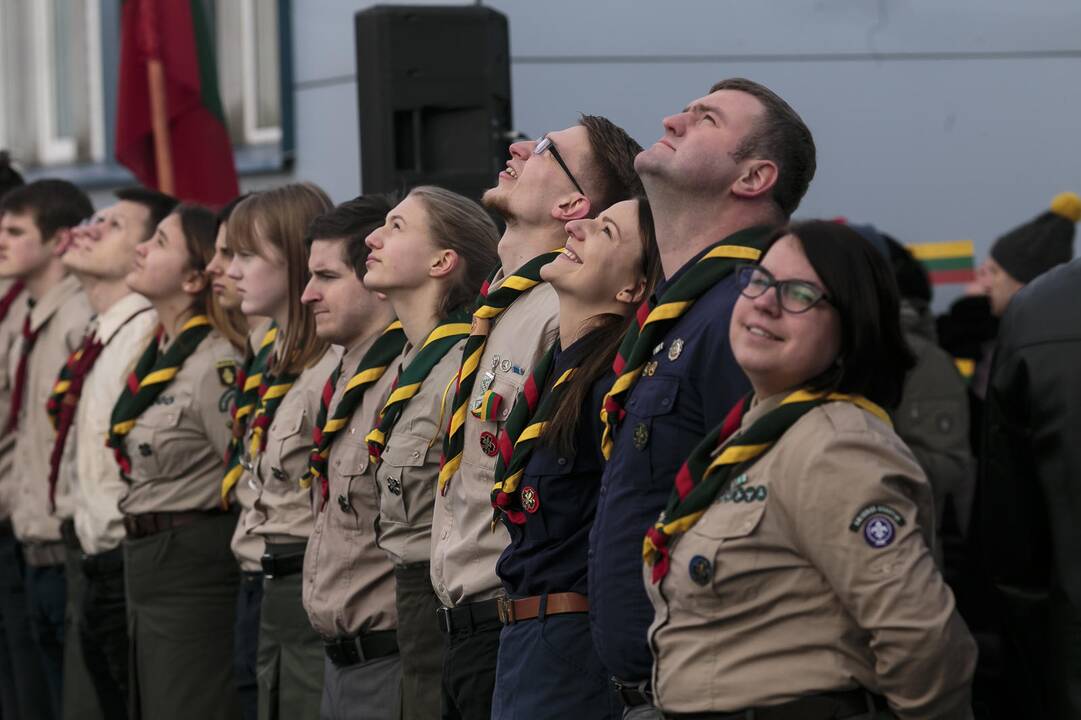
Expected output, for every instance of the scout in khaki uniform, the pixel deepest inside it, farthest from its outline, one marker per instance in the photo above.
(37, 221)
(514, 324)
(549, 471)
(266, 233)
(248, 549)
(791, 570)
(100, 256)
(169, 432)
(22, 686)
(348, 581)
(429, 258)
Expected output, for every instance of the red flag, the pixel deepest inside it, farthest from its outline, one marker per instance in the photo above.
(176, 33)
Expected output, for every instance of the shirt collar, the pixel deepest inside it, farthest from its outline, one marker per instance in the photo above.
(47, 305)
(118, 314)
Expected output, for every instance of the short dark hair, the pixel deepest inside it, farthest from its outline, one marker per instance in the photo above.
(874, 356)
(353, 221)
(780, 136)
(611, 170)
(158, 204)
(54, 205)
(9, 176)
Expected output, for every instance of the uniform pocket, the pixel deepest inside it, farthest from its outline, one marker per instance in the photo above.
(282, 444)
(150, 440)
(401, 457)
(480, 448)
(655, 398)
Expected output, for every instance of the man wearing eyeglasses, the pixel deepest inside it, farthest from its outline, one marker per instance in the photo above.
(566, 175)
(729, 167)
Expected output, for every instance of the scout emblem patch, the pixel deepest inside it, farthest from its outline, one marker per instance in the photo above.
(226, 372)
(879, 524)
(641, 436)
(487, 444)
(650, 368)
(530, 500)
(675, 349)
(394, 486)
(701, 570)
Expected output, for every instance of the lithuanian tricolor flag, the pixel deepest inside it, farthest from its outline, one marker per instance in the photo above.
(947, 262)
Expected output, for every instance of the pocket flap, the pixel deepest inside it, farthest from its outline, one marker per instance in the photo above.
(655, 396)
(405, 450)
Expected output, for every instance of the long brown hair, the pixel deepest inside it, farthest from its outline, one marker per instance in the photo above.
(280, 218)
(459, 224)
(200, 228)
(601, 343)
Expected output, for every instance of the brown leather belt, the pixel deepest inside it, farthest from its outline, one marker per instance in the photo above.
(146, 524)
(512, 611)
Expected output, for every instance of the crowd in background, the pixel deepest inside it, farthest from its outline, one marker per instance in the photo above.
(652, 450)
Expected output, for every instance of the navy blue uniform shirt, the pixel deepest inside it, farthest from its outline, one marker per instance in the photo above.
(548, 553)
(693, 385)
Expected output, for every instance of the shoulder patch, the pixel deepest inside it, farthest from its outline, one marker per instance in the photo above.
(871, 510)
(226, 372)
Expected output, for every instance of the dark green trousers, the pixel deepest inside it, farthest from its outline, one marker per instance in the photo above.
(80, 699)
(420, 641)
(182, 587)
(290, 658)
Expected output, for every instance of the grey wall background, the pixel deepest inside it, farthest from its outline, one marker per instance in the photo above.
(934, 120)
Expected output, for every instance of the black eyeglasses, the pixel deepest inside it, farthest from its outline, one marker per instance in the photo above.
(546, 143)
(794, 296)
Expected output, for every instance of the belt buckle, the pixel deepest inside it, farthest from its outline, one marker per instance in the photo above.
(445, 623)
(504, 608)
(268, 565)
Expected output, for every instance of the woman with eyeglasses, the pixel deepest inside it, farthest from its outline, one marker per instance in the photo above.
(790, 572)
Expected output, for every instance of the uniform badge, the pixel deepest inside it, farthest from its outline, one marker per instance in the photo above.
(879, 524)
(145, 450)
(504, 365)
(394, 486)
(675, 349)
(641, 436)
(487, 444)
(530, 499)
(486, 381)
(226, 372)
(701, 570)
(650, 368)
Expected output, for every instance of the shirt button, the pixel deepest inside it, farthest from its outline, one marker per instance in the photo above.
(416, 453)
(444, 534)
(666, 402)
(562, 461)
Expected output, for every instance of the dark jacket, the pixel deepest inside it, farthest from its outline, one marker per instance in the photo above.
(1030, 495)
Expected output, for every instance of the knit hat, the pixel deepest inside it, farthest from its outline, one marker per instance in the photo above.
(1037, 246)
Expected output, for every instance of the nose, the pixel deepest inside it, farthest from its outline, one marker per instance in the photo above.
(522, 149)
(233, 271)
(310, 294)
(140, 249)
(675, 124)
(576, 229)
(374, 241)
(768, 302)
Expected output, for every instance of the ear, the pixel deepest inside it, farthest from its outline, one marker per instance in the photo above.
(443, 264)
(633, 295)
(61, 240)
(194, 282)
(757, 179)
(571, 207)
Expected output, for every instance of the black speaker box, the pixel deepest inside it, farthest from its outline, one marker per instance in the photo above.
(433, 87)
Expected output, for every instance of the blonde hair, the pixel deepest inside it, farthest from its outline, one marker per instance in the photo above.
(280, 218)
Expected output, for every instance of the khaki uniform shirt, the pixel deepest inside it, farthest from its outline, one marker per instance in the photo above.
(348, 581)
(62, 315)
(178, 444)
(124, 329)
(813, 573)
(282, 509)
(10, 330)
(408, 475)
(248, 548)
(465, 548)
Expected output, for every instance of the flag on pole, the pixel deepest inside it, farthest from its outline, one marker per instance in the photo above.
(168, 94)
(947, 262)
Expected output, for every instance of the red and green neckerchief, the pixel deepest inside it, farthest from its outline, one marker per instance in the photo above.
(271, 393)
(518, 438)
(369, 370)
(248, 381)
(64, 400)
(652, 323)
(152, 374)
(706, 472)
(439, 342)
(490, 305)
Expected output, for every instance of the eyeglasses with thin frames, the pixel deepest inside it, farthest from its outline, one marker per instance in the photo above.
(794, 296)
(546, 143)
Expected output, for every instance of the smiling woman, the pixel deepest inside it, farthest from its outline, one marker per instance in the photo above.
(799, 529)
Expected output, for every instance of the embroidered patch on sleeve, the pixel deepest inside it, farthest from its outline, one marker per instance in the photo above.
(879, 524)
